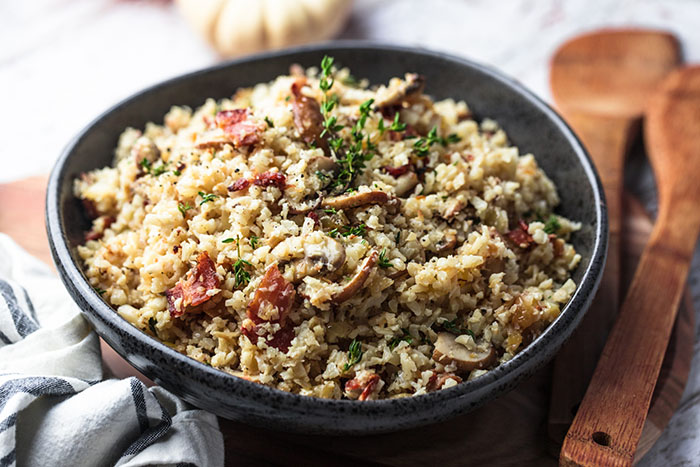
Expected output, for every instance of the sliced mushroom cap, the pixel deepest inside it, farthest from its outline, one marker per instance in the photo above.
(405, 183)
(328, 254)
(395, 94)
(358, 280)
(354, 200)
(448, 243)
(448, 351)
(145, 148)
(322, 163)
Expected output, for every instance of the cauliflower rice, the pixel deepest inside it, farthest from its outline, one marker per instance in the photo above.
(404, 249)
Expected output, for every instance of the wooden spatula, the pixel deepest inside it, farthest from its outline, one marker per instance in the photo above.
(609, 422)
(601, 82)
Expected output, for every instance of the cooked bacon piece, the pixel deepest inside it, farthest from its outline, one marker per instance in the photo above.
(98, 230)
(438, 380)
(364, 386)
(520, 236)
(307, 117)
(314, 216)
(193, 288)
(271, 303)
(397, 171)
(273, 300)
(240, 184)
(235, 124)
(266, 179)
(280, 340)
(90, 208)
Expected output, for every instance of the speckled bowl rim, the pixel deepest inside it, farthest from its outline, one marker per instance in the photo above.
(497, 380)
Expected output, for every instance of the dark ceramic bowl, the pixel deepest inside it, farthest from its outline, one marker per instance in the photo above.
(530, 124)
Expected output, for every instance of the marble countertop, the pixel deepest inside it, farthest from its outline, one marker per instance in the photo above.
(62, 62)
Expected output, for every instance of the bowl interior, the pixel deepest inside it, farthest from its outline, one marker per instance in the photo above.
(530, 125)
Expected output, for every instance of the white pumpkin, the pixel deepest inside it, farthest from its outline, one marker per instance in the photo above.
(237, 27)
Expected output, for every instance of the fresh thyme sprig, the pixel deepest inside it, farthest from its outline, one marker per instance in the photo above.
(348, 230)
(242, 277)
(552, 225)
(406, 336)
(422, 145)
(354, 354)
(383, 262)
(206, 197)
(183, 208)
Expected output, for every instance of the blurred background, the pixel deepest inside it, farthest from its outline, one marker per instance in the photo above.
(62, 62)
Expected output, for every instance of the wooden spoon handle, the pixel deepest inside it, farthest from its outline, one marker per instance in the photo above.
(608, 425)
(607, 140)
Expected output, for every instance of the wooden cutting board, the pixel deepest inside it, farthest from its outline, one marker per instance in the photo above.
(510, 430)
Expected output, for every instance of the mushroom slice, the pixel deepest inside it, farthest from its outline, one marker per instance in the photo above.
(453, 209)
(448, 243)
(358, 280)
(405, 183)
(354, 200)
(395, 94)
(322, 163)
(448, 351)
(329, 255)
(145, 149)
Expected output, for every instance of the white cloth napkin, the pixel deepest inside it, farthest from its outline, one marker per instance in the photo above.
(55, 407)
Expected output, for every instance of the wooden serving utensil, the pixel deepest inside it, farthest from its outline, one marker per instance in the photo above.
(601, 82)
(607, 427)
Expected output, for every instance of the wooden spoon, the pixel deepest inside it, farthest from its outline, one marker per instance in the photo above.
(601, 82)
(609, 422)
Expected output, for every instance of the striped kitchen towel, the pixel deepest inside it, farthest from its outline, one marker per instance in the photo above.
(55, 407)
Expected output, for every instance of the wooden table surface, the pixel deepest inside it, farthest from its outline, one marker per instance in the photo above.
(517, 420)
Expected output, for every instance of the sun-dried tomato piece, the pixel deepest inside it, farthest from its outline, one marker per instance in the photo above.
(397, 171)
(266, 179)
(235, 124)
(240, 184)
(520, 235)
(193, 288)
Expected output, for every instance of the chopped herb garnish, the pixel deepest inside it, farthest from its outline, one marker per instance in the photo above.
(227, 240)
(241, 276)
(177, 173)
(183, 208)
(406, 337)
(381, 127)
(330, 211)
(99, 290)
(253, 242)
(146, 164)
(398, 237)
(286, 99)
(206, 197)
(383, 262)
(269, 122)
(451, 139)
(348, 230)
(354, 354)
(552, 225)
(161, 169)
(152, 326)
